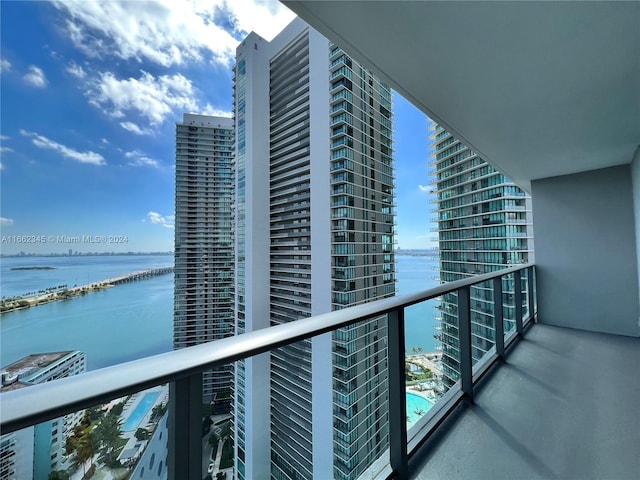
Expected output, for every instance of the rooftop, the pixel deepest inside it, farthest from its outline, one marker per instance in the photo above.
(13, 374)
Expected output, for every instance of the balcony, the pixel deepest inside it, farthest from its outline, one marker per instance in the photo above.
(184, 369)
(563, 405)
(539, 391)
(558, 376)
(565, 401)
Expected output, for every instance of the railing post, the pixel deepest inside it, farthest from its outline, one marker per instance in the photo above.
(517, 299)
(464, 331)
(185, 428)
(397, 394)
(530, 287)
(498, 316)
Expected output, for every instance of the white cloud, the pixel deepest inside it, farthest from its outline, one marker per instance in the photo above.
(4, 149)
(167, 32)
(76, 70)
(209, 110)
(1, 166)
(132, 127)
(139, 159)
(148, 96)
(5, 222)
(266, 18)
(160, 220)
(424, 188)
(35, 77)
(67, 152)
(5, 65)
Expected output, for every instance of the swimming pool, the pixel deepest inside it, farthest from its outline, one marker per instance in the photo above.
(140, 411)
(417, 406)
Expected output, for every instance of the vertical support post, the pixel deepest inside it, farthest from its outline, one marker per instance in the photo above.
(464, 331)
(517, 299)
(498, 315)
(530, 288)
(397, 394)
(185, 428)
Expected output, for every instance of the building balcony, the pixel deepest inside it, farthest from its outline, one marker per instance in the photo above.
(538, 391)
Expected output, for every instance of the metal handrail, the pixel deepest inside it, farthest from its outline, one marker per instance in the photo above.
(38, 403)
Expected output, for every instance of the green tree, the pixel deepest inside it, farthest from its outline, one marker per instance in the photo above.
(225, 430)
(58, 475)
(117, 409)
(93, 413)
(142, 434)
(158, 411)
(82, 448)
(107, 435)
(213, 439)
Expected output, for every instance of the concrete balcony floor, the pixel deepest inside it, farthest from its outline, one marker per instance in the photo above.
(565, 405)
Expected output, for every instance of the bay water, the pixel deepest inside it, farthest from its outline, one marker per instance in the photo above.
(135, 319)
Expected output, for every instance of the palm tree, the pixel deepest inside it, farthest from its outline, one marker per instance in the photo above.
(107, 434)
(82, 448)
(225, 430)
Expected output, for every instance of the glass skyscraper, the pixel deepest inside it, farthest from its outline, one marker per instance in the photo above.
(203, 298)
(484, 225)
(315, 233)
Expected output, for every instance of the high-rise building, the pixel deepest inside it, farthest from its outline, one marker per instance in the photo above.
(484, 225)
(315, 233)
(36, 451)
(203, 298)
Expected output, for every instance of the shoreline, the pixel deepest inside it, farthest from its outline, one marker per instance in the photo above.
(430, 360)
(23, 302)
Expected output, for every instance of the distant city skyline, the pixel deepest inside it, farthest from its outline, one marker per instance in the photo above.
(89, 110)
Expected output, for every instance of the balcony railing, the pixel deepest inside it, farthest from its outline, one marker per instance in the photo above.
(183, 370)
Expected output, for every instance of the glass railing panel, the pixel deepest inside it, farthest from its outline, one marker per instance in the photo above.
(217, 424)
(120, 439)
(451, 340)
(482, 317)
(290, 402)
(432, 360)
(535, 291)
(508, 305)
(360, 395)
(526, 294)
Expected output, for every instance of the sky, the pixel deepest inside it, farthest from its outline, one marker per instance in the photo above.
(90, 92)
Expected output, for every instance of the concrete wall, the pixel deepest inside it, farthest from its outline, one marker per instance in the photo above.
(321, 365)
(635, 181)
(586, 251)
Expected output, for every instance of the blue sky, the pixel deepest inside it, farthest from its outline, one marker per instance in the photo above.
(90, 93)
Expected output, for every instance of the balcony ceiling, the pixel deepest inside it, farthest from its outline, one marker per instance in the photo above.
(538, 89)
